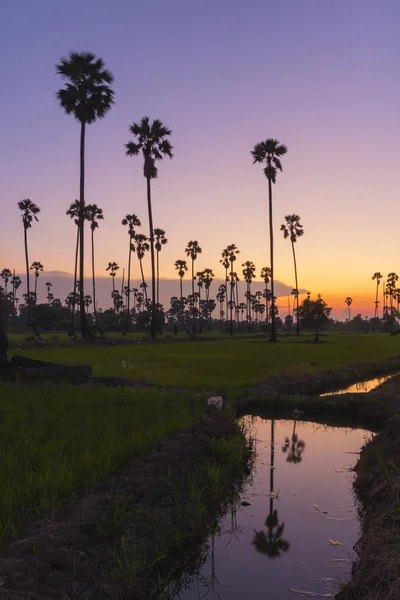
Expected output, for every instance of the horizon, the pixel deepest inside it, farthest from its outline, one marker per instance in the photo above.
(334, 104)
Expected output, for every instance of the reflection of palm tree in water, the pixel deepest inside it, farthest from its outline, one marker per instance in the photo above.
(294, 447)
(270, 542)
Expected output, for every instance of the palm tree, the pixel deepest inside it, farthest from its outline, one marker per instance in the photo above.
(94, 215)
(141, 246)
(266, 277)
(161, 240)
(221, 296)
(349, 302)
(193, 250)
(3, 335)
(269, 153)
(38, 268)
(181, 267)
(16, 283)
(113, 268)
(87, 95)
(225, 263)
(151, 140)
(29, 211)
(232, 252)
(73, 212)
(6, 275)
(377, 277)
(249, 271)
(391, 281)
(131, 221)
(49, 294)
(293, 229)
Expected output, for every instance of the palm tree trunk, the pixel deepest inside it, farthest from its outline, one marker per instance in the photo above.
(128, 302)
(273, 337)
(75, 280)
(84, 326)
(94, 290)
(158, 277)
(3, 336)
(231, 302)
(297, 291)
(193, 308)
(28, 288)
(226, 300)
(153, 274)
(36, 282)
(143, 279)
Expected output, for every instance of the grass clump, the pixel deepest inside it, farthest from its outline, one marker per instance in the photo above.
(54, 440)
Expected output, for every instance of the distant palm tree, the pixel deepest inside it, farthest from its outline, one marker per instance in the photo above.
(391, 281)
(377, 277)
(94, 215)
(88, 301)
(269, 153)
(141, 245)
(29, 211)
(73, 213)
(88, 96)
(150, 140)
(249, 272)
(232, 250)
(131, 221)
(6, 275)
(50, 296)
(225, 263)
(293, 229)
(38, 268)
(161, 240)
(266, 277)
(16, 283)
(349, 302)
(113, 268)
(221, 296)
(193, 250)
(3, 335)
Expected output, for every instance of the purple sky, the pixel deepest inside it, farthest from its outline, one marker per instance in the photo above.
(323, 77)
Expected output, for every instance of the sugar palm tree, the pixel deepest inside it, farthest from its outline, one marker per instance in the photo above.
(29, 213)
(377, 277)
(37, 267)
(232, 253)
(141, 246)
(6, 275)
(151, 140)
(192, 251)
(3, 335)
(87, 96)
(266, 277)
(73, 213)
(113, 268)
(269, 154)
(94, 215)
(292, 230)
(391, 281)
(160, 241)
(225, 263)
(221, 296)
(349, 302)
(249, 272)
(50, 296)
(132, 221)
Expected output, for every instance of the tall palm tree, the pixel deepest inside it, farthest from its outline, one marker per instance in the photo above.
(221, 296)
(113, 268)
(131, 221)
(266, 277)
(293, 229)
(38, 268)
(94, 215)
(249, 272)
(87, 95)
(181, 267)
(151, 141)
(192, 251)
(225, 263)
(50, 296)
(6, 275)
(349, 302)
(232, 250)
(269, 153)
(16, 283)
(377, 277)
(161, 240)
(391, 281)
(73, 213)
(141, 245)
(29, 211)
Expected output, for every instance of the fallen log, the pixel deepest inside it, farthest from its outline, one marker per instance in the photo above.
(52, 372)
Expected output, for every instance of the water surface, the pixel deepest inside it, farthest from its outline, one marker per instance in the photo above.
(295, 536)
(362, 386)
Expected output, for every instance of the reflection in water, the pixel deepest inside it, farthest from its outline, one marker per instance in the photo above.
(294, 511)
(362, 386)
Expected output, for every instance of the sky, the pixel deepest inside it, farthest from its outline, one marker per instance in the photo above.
(321, 77)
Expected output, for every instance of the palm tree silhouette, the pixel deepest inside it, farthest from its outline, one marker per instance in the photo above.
(131, 221)
(293, 229)
(73, 213)
(29, 211)
(161, 240)
(249, 272)
(50, 296)
(269, 153)
(94, 215)
(192, 251)
(141, 246)
(271, 543)
(38, 268)
(113, 268)
(294, 447)
(266, 277)
(151, 140)
(377, 276)
(208, 278)
(232, 251)
(87, 95)
(3, 335)
(225, 263)
(6, 275)
(391, 281)
(221, 296)
(16, 283)
(349, 302)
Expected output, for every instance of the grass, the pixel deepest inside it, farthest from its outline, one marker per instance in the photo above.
(223, 364)
(54, 440)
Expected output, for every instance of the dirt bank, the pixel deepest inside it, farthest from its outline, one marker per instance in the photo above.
(119, 539)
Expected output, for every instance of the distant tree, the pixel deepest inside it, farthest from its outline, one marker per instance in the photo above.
(292, 230)
(349, 302)
(6, 275)
(141, 246)
(266, 277)
(160, 241)
(49, 285)
(37, 267)
(87, 95)
(192, 251)
(314, 314)
(3, 334)
(94, 215)
(221, 296)
(132, 221)
(16, 283)
(269, 153)
(377, 277)
(73, 212)
(249, 272)
(29, 211)
(113, 268)
(232, 252)
(391, 282)
(151, 140)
